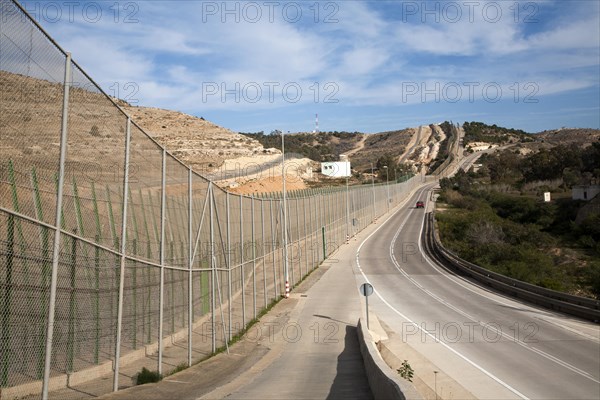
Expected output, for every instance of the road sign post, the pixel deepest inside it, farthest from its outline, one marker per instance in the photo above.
(366, 289)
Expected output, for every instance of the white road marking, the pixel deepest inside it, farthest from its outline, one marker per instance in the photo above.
(465, 314)
(474, 364)
(467, 283)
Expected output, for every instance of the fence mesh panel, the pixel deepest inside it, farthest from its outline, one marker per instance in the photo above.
(235, 256)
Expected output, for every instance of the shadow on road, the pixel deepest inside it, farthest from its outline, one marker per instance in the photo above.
(351, 380)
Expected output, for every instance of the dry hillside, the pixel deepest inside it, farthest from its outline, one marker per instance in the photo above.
(377, 145)
(30, 122)
(197, 142)
(362, 149)
(579, 136)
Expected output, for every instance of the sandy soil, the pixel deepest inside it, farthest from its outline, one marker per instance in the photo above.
(269, 184)
(269, 180)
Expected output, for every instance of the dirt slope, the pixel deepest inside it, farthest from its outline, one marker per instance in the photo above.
(197, 142)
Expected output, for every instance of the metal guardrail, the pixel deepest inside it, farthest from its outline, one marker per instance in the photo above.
(577, 306)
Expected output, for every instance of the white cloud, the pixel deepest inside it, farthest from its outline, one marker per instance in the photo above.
(369, 53)
(576, 35)
(363, 60)
(116, 63)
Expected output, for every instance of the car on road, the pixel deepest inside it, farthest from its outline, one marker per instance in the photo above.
(420, 204)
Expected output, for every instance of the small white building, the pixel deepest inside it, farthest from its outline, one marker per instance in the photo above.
(337, 169)
(585, 192)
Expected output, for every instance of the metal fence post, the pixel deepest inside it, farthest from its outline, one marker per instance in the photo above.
(190, 264)
(283, 247)
(312, 233)
(228, 264)
(321, 218)
(264, 254)
(7, 302)
(242, 261)
(253, 260)
(213, 266)
(122, 250)
(273, 247)
(161, 295)
(58, 223)
(373, 190)
(297, 255)
(331, 215)
(330, 219)
(305, 235)
(290, 242)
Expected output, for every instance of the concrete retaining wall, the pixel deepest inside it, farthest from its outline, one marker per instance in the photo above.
(384, 382)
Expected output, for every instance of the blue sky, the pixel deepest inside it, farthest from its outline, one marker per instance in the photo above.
(362, 66)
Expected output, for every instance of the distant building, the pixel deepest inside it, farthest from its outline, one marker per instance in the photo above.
(337, 169)
(585, 192)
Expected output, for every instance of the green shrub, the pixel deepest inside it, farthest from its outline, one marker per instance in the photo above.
(406, 371)
(147, 376)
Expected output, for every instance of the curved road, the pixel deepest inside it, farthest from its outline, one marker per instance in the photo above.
(493, 346)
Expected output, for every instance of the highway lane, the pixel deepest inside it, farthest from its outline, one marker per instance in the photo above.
(493, 346)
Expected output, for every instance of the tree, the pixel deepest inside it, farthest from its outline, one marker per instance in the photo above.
(505, 168)
(387, 160)
(571, 177)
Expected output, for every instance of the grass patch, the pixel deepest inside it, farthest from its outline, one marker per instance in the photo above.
(178, 368)
(236, 338)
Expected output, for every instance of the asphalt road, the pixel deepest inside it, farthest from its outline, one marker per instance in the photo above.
(316, 353)
(495, 347)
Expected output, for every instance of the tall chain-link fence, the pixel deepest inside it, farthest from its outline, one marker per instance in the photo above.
(116, 256)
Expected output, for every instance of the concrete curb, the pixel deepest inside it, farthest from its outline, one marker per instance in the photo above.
(384, 383)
